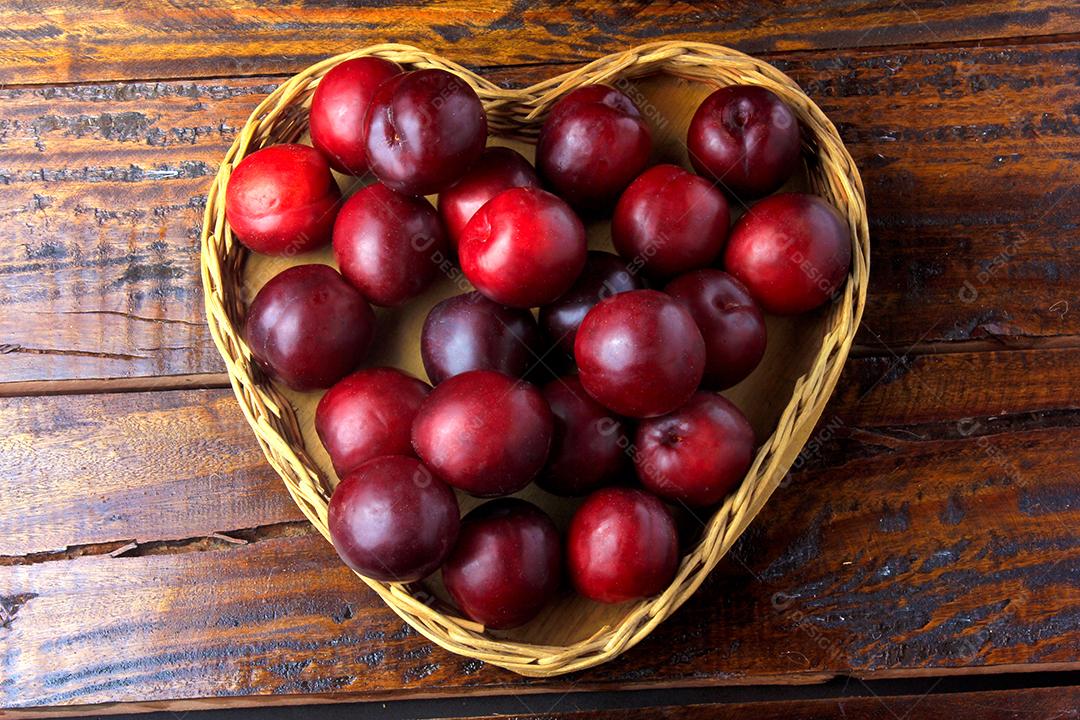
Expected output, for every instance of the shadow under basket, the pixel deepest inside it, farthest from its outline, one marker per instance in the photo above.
(783, 398)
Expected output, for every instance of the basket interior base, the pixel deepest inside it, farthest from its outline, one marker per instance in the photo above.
(668, 103)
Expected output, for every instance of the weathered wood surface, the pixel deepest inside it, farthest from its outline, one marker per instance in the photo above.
(1058, 703)
(148, 557)
(103, 194)
(967, 157)
(923, 532)
(142, 467)
(104, 40)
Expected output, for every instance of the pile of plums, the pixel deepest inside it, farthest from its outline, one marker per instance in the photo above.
(607, 391)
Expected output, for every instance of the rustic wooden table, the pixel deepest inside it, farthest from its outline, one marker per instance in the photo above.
(149, 558)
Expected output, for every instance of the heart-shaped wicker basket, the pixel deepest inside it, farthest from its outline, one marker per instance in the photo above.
(783, 399)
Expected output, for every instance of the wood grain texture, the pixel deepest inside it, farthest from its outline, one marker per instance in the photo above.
(102, 40)
(148, 556)
(1018, 386)
(1060, 703)
(103, 195)
(912, 539)
(967, 157)
(973, 204)
(142, 467)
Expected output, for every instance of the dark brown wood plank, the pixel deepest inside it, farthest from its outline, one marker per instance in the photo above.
(905, 543)
(973, 205)
(118, 468)
(1060, 703)
(104, 188)
(108, 41)
(856, 700)
(967, 157)
(895, 390)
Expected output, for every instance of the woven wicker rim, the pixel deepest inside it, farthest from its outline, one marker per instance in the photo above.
(282, 117)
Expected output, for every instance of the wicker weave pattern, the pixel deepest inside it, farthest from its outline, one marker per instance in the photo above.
(282, 117)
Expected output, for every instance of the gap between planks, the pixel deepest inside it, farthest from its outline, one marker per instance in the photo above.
(133, 548)
(499, 702)
(92, 386)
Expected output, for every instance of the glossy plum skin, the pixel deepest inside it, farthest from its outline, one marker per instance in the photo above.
(730, 321)
(339, 111)
(369, 414)
(424, 129)
(506, 565)
(670, 221)
(282, 200)
(388, 245)
(592, 145)
(484, 432)
(622, 545)
(391, 520)
(792, 252)
(498, 169)
(745, 138)
(697, 454)
(469, 332)
(524, 248)
(308, 328)
(604, 275)
(640, 353)
(588, 443)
